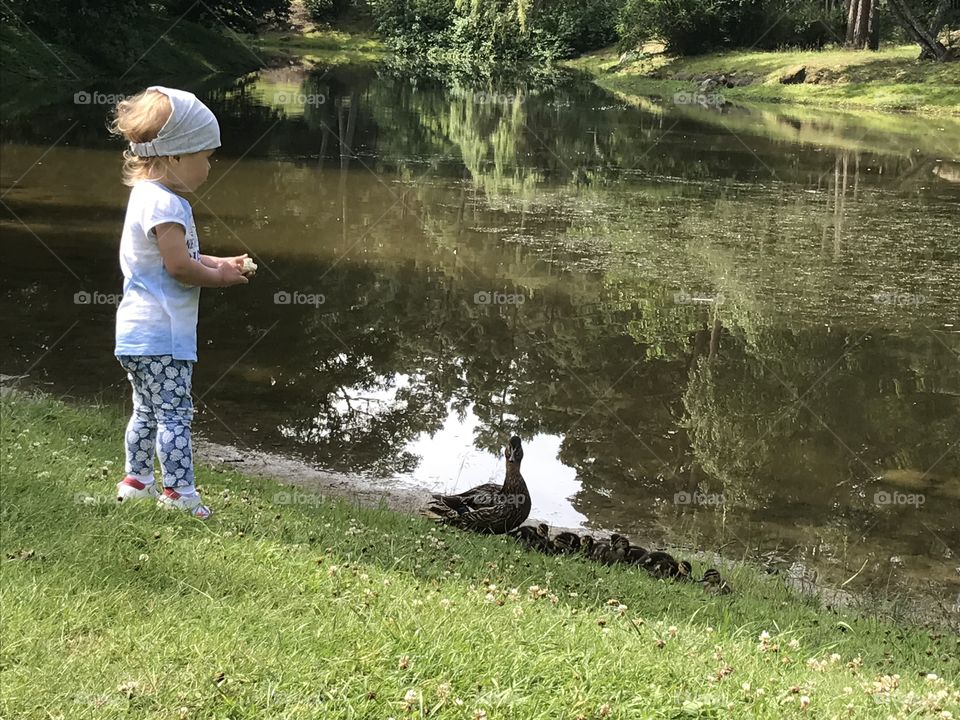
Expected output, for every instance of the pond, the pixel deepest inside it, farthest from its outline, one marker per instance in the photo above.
(729, 328)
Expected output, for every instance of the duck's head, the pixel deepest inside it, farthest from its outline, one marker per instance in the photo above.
(619, 541)
(543, 530)
(586, 542)
(514, 450)
(711, 577)
(684, 568)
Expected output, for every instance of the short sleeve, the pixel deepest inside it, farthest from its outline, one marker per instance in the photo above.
(161, 206)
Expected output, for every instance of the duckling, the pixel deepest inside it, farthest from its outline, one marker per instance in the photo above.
(566, 543)
(586, 545)
(663, 565)
(714, 584)
(635, 553)
(597, 548)
(533, 537)
(612, 551)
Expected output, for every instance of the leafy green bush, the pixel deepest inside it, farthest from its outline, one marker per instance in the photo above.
(327, 11)
(110, 32)
(496, 31)
(690, 27)
(104, 30)
(242, 15)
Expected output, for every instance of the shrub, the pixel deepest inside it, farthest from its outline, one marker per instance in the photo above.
(497, 31)
(690, 27)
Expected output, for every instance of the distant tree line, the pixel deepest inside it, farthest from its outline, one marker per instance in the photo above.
(507, 32)
(501, 30)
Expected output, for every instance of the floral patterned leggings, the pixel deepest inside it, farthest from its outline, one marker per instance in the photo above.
(162, 413)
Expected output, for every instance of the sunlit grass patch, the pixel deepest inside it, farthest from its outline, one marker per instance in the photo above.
(320, 608)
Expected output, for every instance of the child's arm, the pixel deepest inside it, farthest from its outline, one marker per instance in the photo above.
(172, 240)
(213, 261)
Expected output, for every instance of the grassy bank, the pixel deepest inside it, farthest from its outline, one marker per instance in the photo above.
(296, 606)
(891, 79)
(323, 45)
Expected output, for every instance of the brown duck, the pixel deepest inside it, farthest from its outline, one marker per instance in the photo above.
(488, 508)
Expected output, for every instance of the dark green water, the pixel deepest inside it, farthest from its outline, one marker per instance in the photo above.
(733, 330)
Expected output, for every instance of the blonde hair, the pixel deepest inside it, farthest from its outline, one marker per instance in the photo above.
(138, 119)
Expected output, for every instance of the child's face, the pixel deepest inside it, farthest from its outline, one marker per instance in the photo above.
(188, 172)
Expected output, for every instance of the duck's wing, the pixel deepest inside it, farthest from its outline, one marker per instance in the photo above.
(439, 512)
(495, 519)
(475, 497)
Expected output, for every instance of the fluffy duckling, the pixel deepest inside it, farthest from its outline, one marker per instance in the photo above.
(533, 537)
(664, 565)
(612, 551)
(635, 554)
(566, 543)
(586, 545)
(714, 584)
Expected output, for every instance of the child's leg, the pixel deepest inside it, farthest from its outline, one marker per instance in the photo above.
(142, 429)
(174, 416)
(174, 408)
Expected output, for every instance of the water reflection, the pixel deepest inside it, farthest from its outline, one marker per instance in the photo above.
(674, 307)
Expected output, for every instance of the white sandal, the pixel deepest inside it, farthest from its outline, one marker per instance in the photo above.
(172, 500)
(132, 489)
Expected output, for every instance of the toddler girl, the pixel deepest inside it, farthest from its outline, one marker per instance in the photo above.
(171, 136)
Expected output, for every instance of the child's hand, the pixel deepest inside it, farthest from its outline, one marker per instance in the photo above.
(235, 261)
(230, 274)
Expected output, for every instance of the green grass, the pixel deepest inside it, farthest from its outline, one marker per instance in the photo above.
(328, 46)
(319, 608)
(890, 79)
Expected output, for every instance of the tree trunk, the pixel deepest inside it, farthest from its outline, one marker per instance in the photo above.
(859, 17)
(930, 46)
(852, 7)
(861, 30)
(873, 41)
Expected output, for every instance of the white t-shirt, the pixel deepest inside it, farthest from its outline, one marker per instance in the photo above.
(158, 314)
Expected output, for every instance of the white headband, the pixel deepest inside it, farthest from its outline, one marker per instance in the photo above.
(191, 127)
